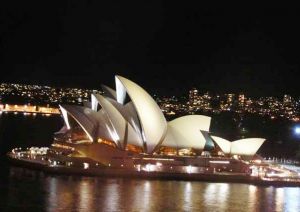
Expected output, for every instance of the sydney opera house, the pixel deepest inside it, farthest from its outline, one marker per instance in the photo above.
(126, 128)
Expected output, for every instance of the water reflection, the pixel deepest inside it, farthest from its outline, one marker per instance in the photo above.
(112, 198)
(37, 191)
(217, 194)
(187, 195)
(291, 198)
(85, 191)
(253, 202)
(279, 199)
(146, 194)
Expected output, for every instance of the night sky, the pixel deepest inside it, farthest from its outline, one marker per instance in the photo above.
(164, 46)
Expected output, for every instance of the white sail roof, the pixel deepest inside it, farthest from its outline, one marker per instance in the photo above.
(120, 132)
(85, 117)
(117, 121)
(247, 147)
(109, 92)
(152, 120)
(184, 132)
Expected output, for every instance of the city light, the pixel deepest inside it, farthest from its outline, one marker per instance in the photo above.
(86, 165)
(273, 107)
(189, 169)
(297, 130)
(220, 161)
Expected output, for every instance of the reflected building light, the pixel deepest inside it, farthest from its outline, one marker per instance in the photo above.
(85, 198)
(223, 193)
(53, 195)
(147, 197)
(252, 195)
(112, 197)
(224, 188)
(279, 199)
(209, 194)
(217, 194)
(291, 199)
(187, 197)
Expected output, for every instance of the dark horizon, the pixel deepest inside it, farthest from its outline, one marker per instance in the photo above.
(167, 49)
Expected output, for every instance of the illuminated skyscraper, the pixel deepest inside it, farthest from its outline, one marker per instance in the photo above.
(287, 99)
(194, 99)
(241, 100)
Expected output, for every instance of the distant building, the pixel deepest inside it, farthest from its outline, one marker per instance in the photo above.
(194, 99)
(241, 100)
(287, 99)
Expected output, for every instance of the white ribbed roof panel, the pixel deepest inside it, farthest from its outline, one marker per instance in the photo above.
(94, 103)
(133, 137)
(109, 92)
(224, 144)
(169, 140)
(117, 120)
(153, 122)
(85, 117)
(103, 124)
(186, 131)
(65, 116)
(248, 146)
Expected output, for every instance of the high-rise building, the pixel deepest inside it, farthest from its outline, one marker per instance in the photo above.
(206, 101)
(194, 99)
(241, 100)
(287, 99)
(230, 98)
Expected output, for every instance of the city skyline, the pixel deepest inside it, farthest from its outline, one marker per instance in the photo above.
(194, 101)
(156, 92)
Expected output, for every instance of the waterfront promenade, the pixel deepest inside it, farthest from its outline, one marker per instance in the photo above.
(28, 109)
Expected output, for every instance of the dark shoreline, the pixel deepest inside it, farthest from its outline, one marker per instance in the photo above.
(125, 173)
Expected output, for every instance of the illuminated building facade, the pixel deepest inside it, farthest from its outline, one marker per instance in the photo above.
(124, 125)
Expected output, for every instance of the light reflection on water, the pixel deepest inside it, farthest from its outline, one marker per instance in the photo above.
(291, 199)
(113, 199)
(216, 194)
(38, 191)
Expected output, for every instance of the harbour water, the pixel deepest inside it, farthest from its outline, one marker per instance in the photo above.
(28, 190)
